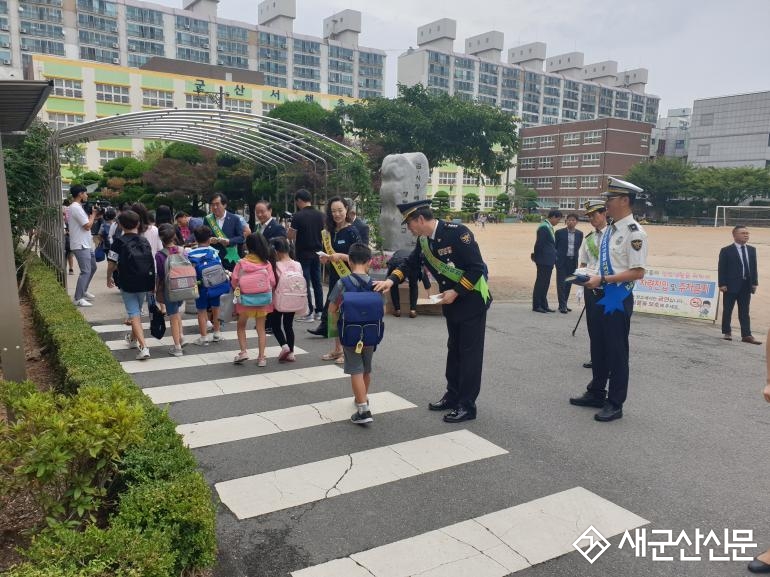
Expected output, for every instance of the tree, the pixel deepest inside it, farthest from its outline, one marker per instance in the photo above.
(524, 196)
(184, 182)
(440, 204)
(502, 204)
(189, 153)
(72, 155)
(310, 115)
(481, 138)
(730, 186)
(471, 202)
(663, 180)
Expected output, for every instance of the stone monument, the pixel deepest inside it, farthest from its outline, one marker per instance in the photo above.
(404, 179)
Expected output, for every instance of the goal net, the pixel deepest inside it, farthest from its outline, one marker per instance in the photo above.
(746, 215)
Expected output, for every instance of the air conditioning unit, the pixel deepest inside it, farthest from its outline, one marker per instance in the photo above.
(132, 47)
(25, 48)
(220, 47)
(6, 44)
(114, 29)
(115, 45)
(24, 31)
(221, 62)
(7, 62)
(116, 60)
(186, 26)
(4, 27)
(205, 45)
(21, 8)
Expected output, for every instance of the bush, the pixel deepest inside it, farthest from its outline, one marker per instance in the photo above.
(532, 217)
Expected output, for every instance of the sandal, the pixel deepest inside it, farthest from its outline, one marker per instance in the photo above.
(332, 356)
(241, 357)
(262, 362)
(340, 361)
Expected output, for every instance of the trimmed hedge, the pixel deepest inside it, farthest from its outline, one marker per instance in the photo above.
(112, 444)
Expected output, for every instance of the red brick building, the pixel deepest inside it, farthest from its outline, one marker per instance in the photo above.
(569, 163)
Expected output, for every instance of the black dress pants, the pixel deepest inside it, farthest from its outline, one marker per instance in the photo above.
(563, 270)
(542, 282)
(465, 358)
(743, 298)
(609, 350)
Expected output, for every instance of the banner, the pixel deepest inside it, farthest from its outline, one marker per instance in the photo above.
(678, 292)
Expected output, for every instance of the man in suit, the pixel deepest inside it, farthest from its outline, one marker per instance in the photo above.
(544, 256)
(267, 225)
(568, 241)
(227, 228)
(360, 225)
(738, 280)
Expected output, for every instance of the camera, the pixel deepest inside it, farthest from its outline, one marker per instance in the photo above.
(88, 208)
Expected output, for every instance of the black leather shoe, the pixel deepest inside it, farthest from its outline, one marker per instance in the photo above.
(442, 405)
(588, 399)
(550, 310)
(459, 415)
(563, 310)
(539, 310)
(757, 566)
(319, 331)
(569, 310)
(609, 412)
(588, 365)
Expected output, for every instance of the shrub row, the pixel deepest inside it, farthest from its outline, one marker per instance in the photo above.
(120, 492)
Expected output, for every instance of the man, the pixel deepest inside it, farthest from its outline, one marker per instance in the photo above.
(268, 226)
(80, 224)
(738, 280)
(357, 223)
(184, 236)
(452, 255)
(589, 255)
(568, 241)
(544, 256)
(622, 261)
(305, 231)
(227, 229)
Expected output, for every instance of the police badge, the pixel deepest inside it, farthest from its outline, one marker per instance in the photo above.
(636, 244)
(466, 238)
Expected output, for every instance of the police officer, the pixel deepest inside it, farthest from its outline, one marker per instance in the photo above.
(588, 258)
(452, 255)
(622, 261)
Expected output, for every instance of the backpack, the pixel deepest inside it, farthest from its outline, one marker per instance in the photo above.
(254, 284)
(136, 265)
(291, 291)
(211, 274)
(181, 280)
(361, 313)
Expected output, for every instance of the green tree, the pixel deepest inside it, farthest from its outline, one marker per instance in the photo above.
(72, 155)
(524, 196)
(481, 138)
(154, 150)
(502, 204)
(664, 180)
(730, 186)
(189, 153)
(471, 202)
(440, 203)
(310, 115)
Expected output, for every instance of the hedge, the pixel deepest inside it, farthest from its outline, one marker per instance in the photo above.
(120, 491)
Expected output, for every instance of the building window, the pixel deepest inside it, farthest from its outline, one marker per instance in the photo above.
(592, 137)
(489, 201)
(679, 145)
(106, 155)
(447, 178)
(570, 161)
(707, 119)
(237, 105)
(567, 203)
(545, 162)
(471, 179)
(157, 98)
(704, 150)
(547, 141)
(59, 120)
(267, 107)
(112, 93)
(545, 182)
(68, 88)
(591, 159)
(569, 182)
(529, 142)
(589, 182)
(571, 139)
(527, 181)
(645, 140)
(201, 102)
(527, 163)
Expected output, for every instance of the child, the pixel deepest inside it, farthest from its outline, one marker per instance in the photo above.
(167, 236)
(256, 263)
(357, 364)
(290, 297)
(131, 255)
(203, 236)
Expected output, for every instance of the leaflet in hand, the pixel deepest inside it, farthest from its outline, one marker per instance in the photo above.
(321, 253)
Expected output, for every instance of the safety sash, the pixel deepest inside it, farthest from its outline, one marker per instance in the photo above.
(232, 251)
(548, 225)
(592, 247)
(614, 293)
(451, 272)
(339, 266)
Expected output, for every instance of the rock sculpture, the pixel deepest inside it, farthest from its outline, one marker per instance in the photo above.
(404, 179)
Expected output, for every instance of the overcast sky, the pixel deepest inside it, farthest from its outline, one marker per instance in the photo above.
(692, 48)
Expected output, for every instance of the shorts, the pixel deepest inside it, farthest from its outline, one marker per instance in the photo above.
(173, 307)
(205, 302)
(133, 303)
(358, 363)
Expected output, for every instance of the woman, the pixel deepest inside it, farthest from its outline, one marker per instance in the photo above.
(338, 237)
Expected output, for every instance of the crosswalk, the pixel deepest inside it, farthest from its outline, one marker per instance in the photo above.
(205, 383)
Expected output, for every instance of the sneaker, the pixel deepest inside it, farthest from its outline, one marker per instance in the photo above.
(201, 341)
(362, 418)
(176, 352)
(143, 354)
(241, 357)
(262, 362)
(83, 303)
(290, 358)
(309, 318)
(89, 295)
(285, 352)
(317, 316)
(216, 337)
(131, 341)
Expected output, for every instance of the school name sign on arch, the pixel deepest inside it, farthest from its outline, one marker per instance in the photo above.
(686, 293)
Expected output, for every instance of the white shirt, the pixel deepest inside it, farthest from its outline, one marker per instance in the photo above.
(628, 245)
(79, 237)
(151, 234)
(592, 263)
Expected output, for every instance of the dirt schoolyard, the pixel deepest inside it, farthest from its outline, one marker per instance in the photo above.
(506, 249)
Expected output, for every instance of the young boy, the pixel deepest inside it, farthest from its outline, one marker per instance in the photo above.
(131, 255)
(357, 365)
(203, 303)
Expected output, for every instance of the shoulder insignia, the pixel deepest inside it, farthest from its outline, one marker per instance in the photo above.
(637, 244)
(633, 226)
(466, 238)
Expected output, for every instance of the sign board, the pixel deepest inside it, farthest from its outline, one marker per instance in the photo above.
(678, 292)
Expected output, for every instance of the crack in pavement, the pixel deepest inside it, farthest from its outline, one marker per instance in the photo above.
(403, 460)
(320, 416)
(472, 547)
(362, 566)
(350, 466)
(488, 530)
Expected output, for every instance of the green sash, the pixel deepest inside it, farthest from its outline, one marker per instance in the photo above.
(592, 247)
(451, 272)
(548, 225)
(232, 251)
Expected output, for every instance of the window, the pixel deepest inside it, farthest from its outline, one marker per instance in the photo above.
(570, 161)
(545, 162)
(267, 107)
(527, 163)
(527, 181)
(446, 178)
(529, 142)
(547, 141)
(59, 120)
(157, 98)
(589, 182)
(679, 145)
(571, 139)
(106, 155)
(707, 119)
(592, 137)
(112, 93)
(202, 102)
(237, 105)
(68, 88)
(567, 203)
(704, 149)
(545, 182)
(645, 139)
(591, 159)
(471, 179)
(569, 182)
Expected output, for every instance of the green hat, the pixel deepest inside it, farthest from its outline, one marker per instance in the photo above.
(406, 209)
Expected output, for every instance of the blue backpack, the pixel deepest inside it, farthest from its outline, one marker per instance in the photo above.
(211, 274)
(361, 313)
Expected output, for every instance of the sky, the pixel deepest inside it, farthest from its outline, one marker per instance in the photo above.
(692, 48)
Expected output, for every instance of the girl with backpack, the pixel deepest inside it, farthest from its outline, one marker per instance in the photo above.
(290, 297)
(253, 282)
(167, 235)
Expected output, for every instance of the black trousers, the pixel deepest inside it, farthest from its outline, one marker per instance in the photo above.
(743, 298)
(395, 297)
(283, 328)
(542, 282)
(465, 357)
(563, 270)
(609, 350)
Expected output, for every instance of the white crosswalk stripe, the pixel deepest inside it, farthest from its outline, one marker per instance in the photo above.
(165, 361)
(260, 494)
(116, 328)
(231, 386)
(229, 429)
(492, 545)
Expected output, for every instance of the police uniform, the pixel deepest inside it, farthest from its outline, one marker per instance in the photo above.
(589, 255)
(466, 317)
(623, 247)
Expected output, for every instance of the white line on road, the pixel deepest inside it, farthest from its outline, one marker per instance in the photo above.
(165, 361)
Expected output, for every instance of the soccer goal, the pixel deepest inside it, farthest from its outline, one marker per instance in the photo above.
(748, 215)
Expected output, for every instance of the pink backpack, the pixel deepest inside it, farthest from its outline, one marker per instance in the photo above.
(291, 291)
(254, 279)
